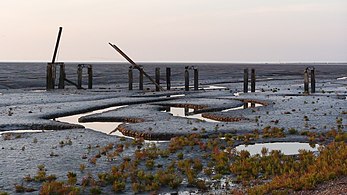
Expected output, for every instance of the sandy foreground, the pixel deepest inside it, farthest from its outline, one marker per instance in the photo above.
(63, 147)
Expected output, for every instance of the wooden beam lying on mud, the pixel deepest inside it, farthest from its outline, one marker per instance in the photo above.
(135, 65)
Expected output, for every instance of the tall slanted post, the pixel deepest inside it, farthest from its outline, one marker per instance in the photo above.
(306, 82)
(186, 79)
(157, 78)
(313, 81)
(245, 80)
(130, 77)
(196, 79)
(168, 78)
(141, 78)
(252, 80)
(50, 77)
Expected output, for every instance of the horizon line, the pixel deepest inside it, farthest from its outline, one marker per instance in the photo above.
(215, 62)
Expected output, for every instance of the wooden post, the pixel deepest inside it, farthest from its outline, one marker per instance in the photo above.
(141, 78)
(62, 75)
(90, 76)
(196, 79)
(313, 81)
(186, 79)
(157, 78)
(79, 76)
(252, 80)
(49, 76)
(130, 77)
(168, 78)
(245, 80)
(306, 82)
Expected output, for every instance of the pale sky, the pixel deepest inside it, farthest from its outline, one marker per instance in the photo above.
(175, 30)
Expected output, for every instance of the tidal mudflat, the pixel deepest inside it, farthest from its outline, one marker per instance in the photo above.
(175, 141)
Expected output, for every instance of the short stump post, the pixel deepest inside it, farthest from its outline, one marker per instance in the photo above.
(62, 76)
(186, 79)
(157, 78)
(168, 78)
(306, 82)
(252, 80)
(141, 79)
(90, 76)
(313, 81)
(196, 79)
(245, 80)
(130, 77)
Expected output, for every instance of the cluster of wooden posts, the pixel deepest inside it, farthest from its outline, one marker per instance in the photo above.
(309, 75)
(52, 72)
(168, 78)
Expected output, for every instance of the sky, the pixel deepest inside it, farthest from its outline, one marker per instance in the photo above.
(175, 30)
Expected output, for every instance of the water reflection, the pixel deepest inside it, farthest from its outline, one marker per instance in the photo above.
(287, 148)
(104, 127)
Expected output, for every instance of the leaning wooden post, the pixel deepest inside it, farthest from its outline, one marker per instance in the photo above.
(157, 78)
(79, 76)
(196, 79)
(313, 81)
(168, 78)
(141, 79)
(252, 80)
(90, 76)
(306, 82)
(186, 79)
(130, 77)
(49, 76)
(245, 80)
(62, 75)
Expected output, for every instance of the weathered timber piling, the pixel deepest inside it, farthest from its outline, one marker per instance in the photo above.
(168, 78)
(130, 77)
(157, 78)
(49, 76)
(245, 80)
(196, 79)
(306, 82)
(90, 76)
(79, 76)
(141, 78)
(313, 81)
(252, 80)
(62, 76)
(186, 79)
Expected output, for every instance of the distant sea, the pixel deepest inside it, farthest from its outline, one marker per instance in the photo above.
(17, 75)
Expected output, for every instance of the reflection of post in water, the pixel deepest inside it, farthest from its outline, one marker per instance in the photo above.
(186, 110)
(245, 105)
